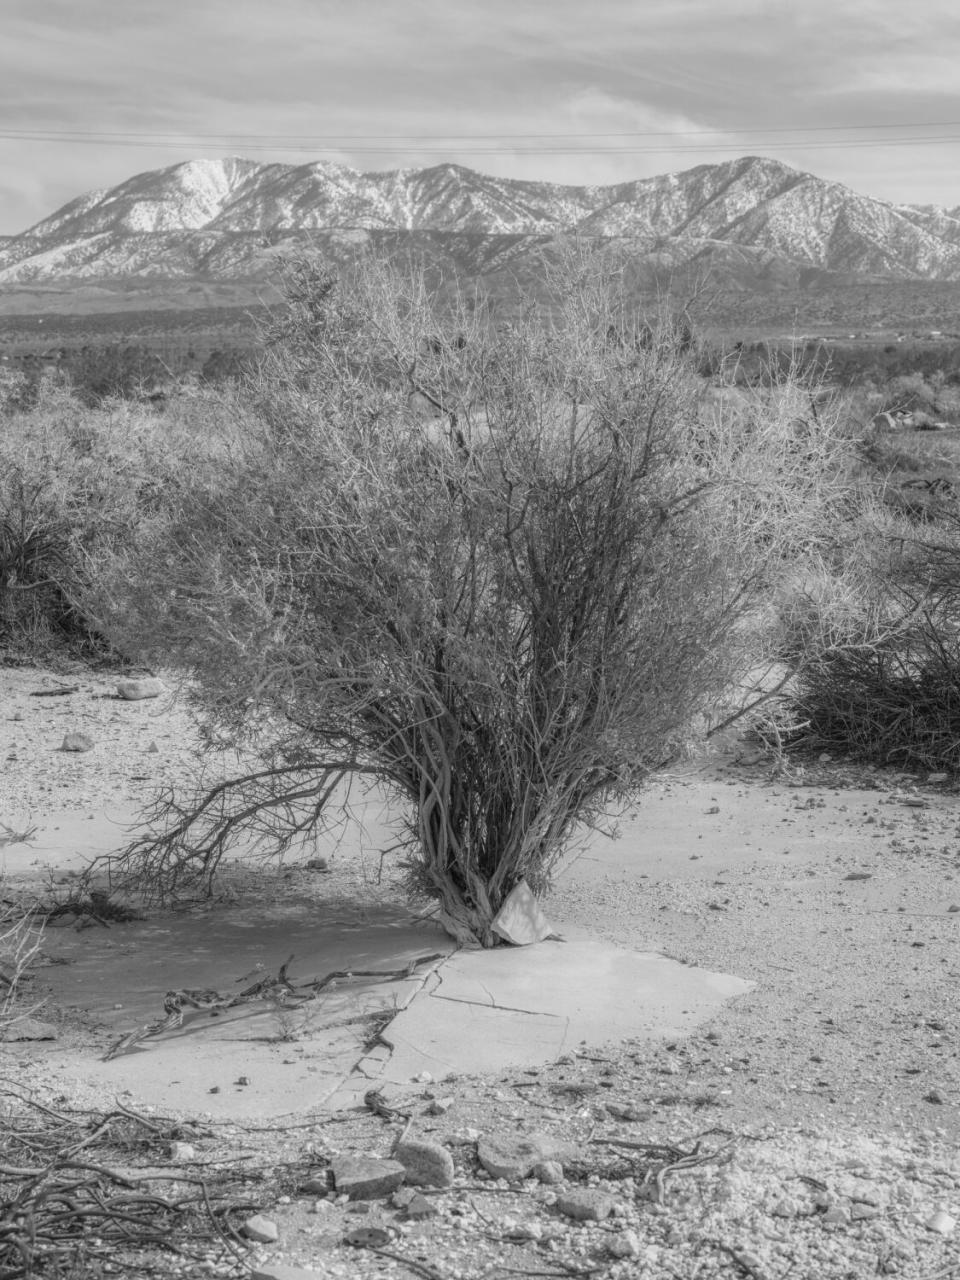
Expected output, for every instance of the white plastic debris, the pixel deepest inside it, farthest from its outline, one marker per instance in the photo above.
(520, 920)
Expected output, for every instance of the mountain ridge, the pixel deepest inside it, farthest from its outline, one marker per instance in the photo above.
(230, 219)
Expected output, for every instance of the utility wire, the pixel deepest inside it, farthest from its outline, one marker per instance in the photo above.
(861, 144)
(319, 138)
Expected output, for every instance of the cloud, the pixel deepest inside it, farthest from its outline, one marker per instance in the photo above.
(711, 73)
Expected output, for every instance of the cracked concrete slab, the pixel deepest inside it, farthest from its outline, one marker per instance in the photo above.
(474, 1011)
(516, 1007)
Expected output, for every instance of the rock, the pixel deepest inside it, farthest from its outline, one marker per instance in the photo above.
(625, 1245)
(135, 689)
(424, 1077)
(260, 1229)
(862, 1212)
(941, 1222)
(366, 1177)
(317, 1185)
(954, 906)
(934, 1096)
(182, 1151)
(419, 1207)
(370, 1237)
(280, 1271)
(515, 1157)
(427, 1164)
(439, 1106)
(835, 1216)
(76, 742)
(586, 1204)
(402, 1197)
(29, 1029)
(549, 1172)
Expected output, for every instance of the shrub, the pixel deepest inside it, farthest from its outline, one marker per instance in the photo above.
(875, 641)
(496, 568)
(73, 479)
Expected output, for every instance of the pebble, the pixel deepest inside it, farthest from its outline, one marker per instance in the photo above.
(135, 689)
(549, 1172)
(419, 1207)
(941, 1222)
(280, 1271)
(835, 1216)
(586, 1204)
(182, 1151)
(260, 1229)
(861, 1212)
(76, 742)
(625, 1245)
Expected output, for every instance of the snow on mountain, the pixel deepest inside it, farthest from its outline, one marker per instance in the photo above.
(229, 219)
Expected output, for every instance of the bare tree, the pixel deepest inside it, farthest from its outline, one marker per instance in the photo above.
(496, 565)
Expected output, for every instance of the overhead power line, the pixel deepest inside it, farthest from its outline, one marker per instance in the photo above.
(496, 136)
(532, 144)
(456, 150)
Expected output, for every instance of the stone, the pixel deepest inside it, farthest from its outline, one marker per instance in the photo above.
(515, 1157)
(366, 1177)
(549, 1172)
(862, 1212)
(280, 1271)
(370, 1237)
(625, 1245)
(586, 1204)
(427, 1164)
(439, 1106)
(419, 1207)
(935, 1097)
(76, 742)
(835, 1216)
(941, 1222)
(316, 1185)
(182, 1151)
(29, 1029)
(136, 689)
(260, 1229)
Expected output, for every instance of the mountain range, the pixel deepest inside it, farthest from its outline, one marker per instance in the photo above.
(753, 222)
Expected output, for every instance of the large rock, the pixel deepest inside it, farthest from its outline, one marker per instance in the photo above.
(427, 1163)
(366, 1177)
(144, 687)
(515, 1156)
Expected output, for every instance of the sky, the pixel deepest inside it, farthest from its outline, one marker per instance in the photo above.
(863, 92)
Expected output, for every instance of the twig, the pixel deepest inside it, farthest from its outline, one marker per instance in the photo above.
(420, 1268)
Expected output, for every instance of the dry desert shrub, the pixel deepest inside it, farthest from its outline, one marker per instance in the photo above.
(497, 565)
(74, 479)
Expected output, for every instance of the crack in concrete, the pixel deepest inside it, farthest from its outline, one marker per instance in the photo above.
(502, 1008)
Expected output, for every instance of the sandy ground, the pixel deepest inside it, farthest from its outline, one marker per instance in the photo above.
(834, 889)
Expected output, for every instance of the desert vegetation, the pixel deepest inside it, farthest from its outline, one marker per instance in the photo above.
(503, 567)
